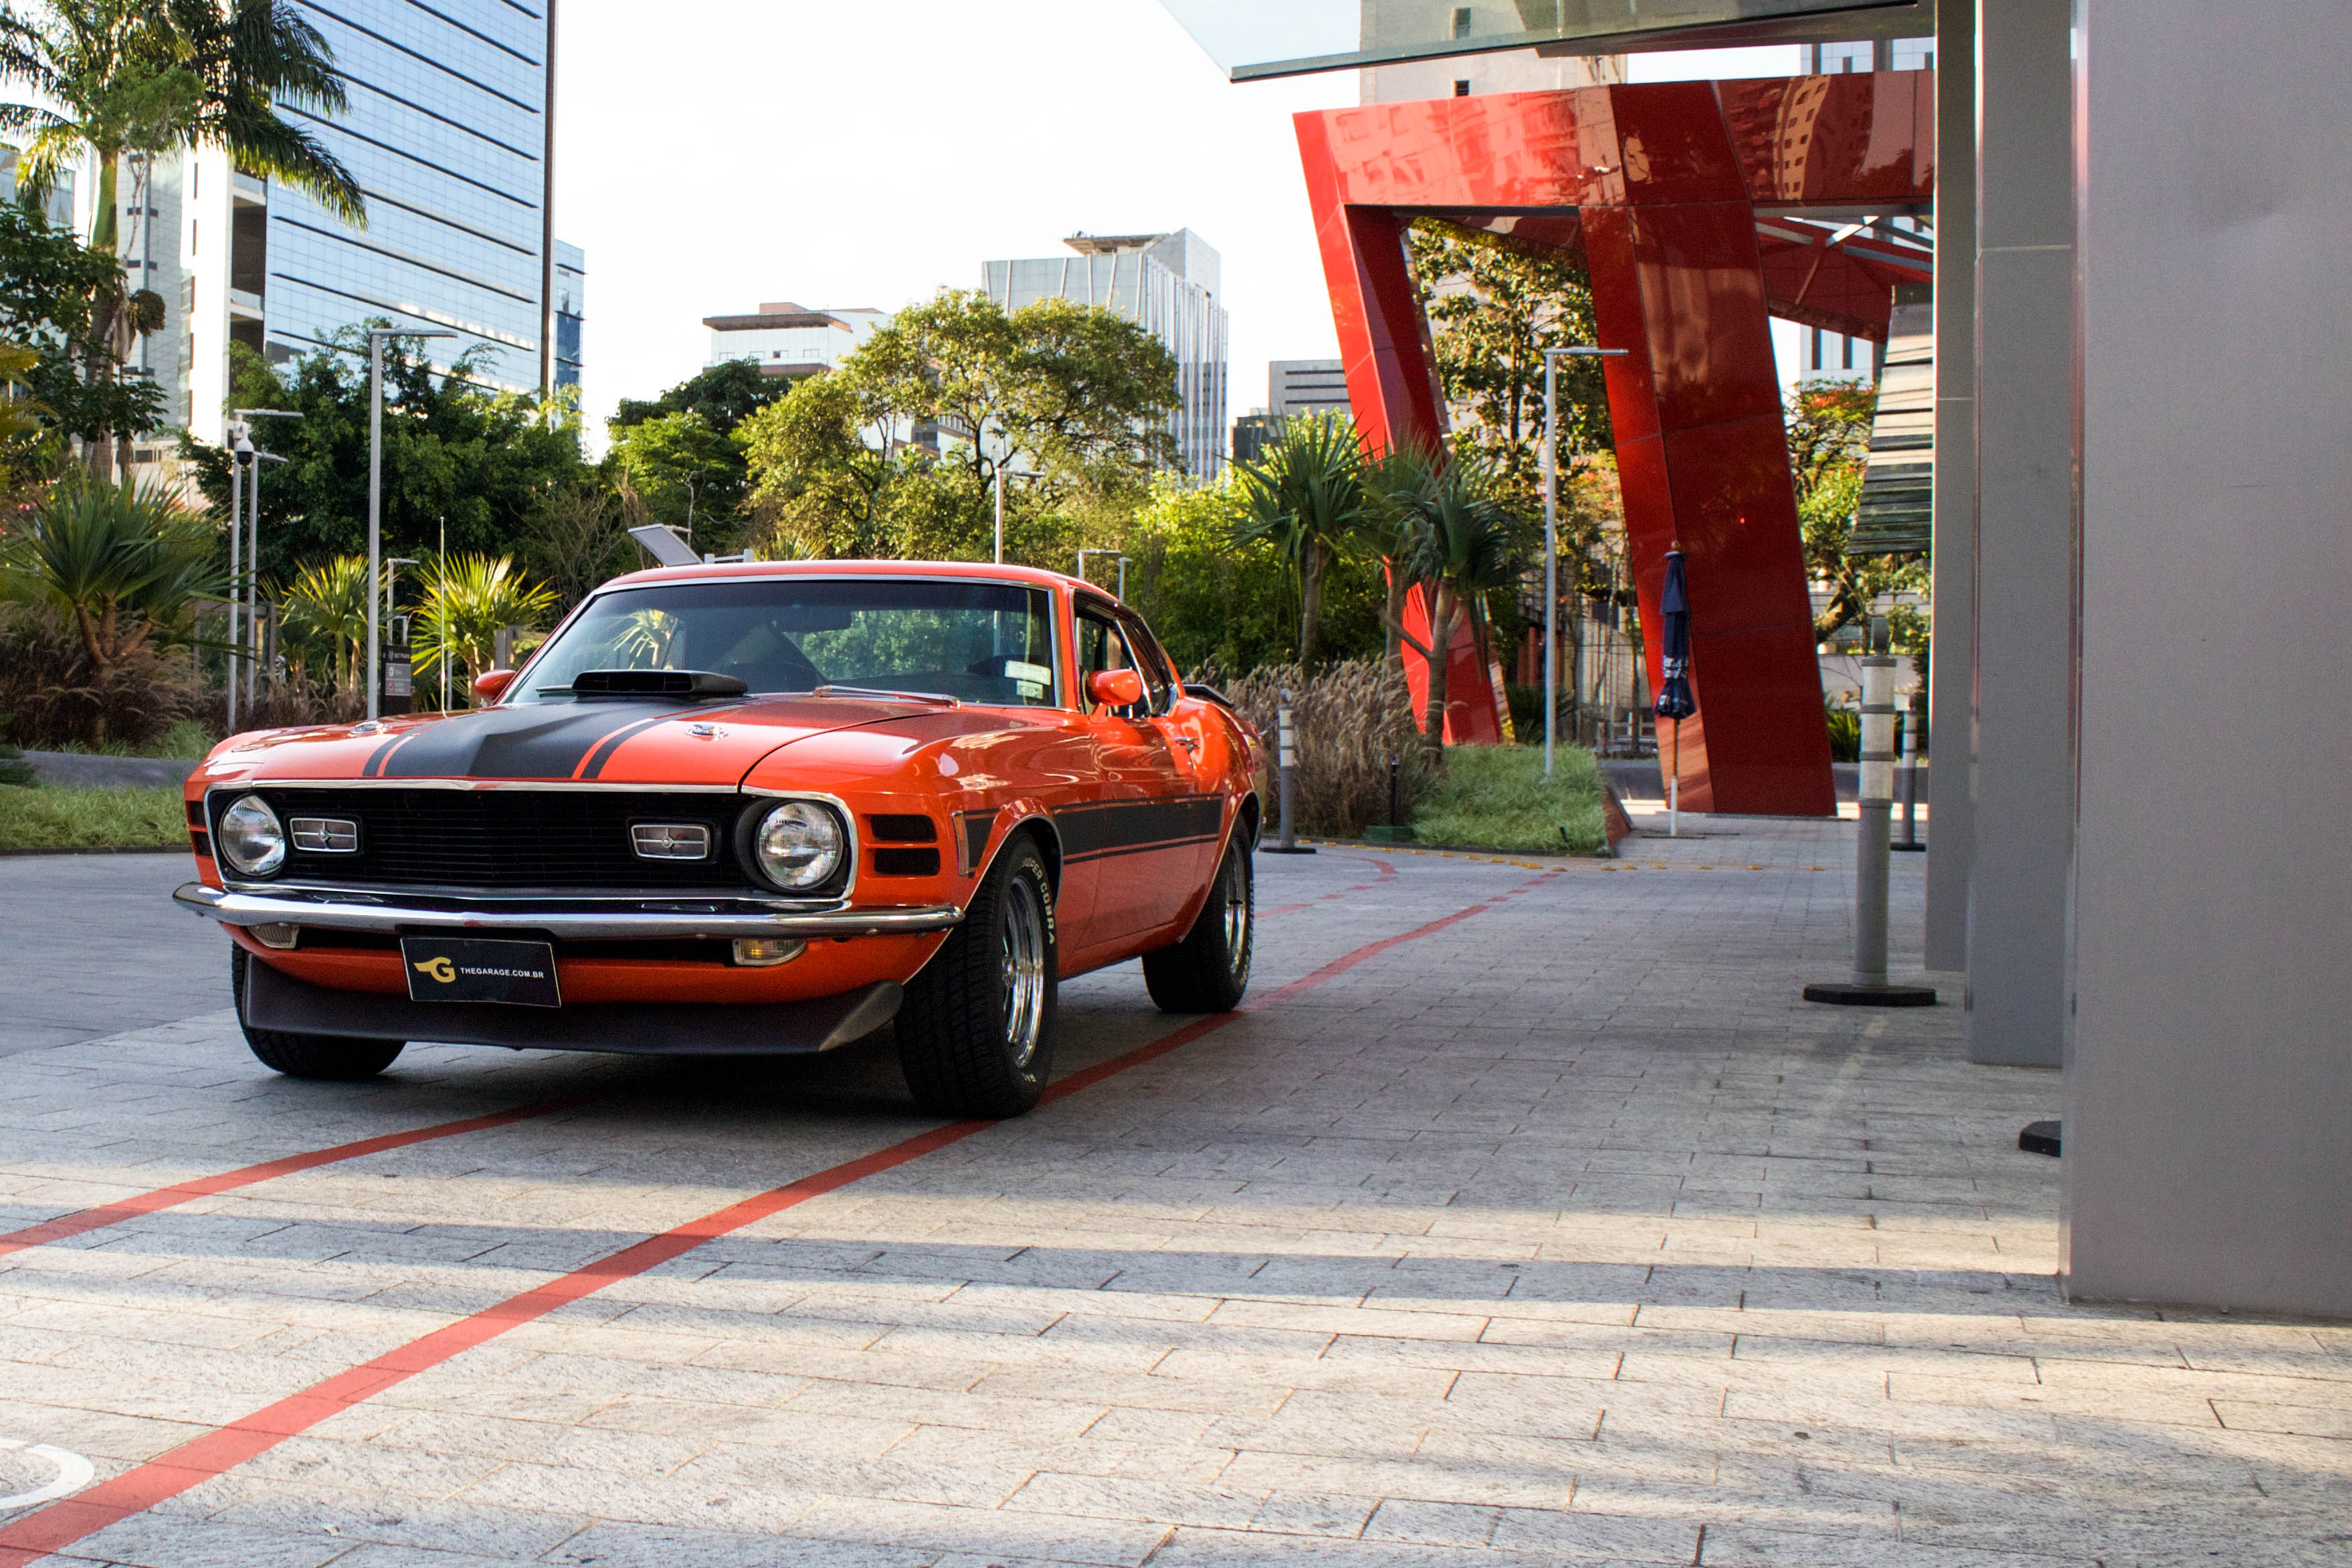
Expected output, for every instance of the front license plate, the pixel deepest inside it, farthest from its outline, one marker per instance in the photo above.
(466, 969)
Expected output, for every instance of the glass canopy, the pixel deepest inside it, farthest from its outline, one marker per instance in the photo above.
(1254, 39)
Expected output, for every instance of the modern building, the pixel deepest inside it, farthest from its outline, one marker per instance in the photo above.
(1306, 387)
(450, 133)
(1821, 352)
(571, 312)
(1466, 75)
(1166, 283)
(789, 340)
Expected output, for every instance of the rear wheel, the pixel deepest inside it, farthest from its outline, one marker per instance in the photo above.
(1209, 971)
(334, 1058)
(975, 1032)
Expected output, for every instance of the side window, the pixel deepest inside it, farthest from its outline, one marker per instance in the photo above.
(1101, 645)
(1159, 678)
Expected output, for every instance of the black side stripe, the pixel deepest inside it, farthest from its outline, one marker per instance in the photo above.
(1125, 826)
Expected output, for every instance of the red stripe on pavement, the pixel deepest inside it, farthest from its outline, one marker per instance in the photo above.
(200, 1459)
(83, 1221)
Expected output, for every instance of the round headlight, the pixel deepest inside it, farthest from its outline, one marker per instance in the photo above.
(251, 838)
(798, 844)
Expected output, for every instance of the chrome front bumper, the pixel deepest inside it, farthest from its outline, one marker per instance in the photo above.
(581, 918)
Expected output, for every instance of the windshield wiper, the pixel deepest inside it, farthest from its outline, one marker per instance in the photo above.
(940, 697)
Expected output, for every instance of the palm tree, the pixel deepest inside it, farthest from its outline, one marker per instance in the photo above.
(1306, 495)
(327, 605)
(1391, 530)
(1465, 549)
(121, 563)
(136, 78)
(469, 600)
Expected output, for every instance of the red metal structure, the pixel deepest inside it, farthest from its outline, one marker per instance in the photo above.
(1699, 208)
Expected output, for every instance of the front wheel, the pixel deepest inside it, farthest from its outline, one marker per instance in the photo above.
(1210, 969)
(976, 1032)
(334, 1058)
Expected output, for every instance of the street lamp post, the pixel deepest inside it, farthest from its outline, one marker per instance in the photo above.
(237, 438)
(376, 336)
(253, 460)
(1551, 534)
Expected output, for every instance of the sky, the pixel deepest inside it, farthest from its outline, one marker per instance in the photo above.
(714, 155)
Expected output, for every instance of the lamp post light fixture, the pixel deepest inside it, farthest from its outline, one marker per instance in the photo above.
(376, 335)
(1551, 533)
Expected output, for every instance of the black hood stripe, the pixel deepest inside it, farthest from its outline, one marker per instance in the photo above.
(602, 753)
(382, 754)
(539, 741)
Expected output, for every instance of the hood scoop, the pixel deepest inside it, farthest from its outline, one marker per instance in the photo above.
(672, 683)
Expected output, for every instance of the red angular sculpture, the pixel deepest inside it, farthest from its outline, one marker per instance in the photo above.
(1687, 201)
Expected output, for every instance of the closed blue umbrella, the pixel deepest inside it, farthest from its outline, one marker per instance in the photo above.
(1674, 701)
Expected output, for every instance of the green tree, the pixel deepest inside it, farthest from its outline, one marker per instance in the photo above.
(1494, 307)
(1828, 425)
(326, 609)
(486, 463)
(578, 539)
(52, 288)
(676, 469)
(1306, 497)
(1070, 391)
(725, 396)
(467, 601)
(817, 477)
(1466, 545)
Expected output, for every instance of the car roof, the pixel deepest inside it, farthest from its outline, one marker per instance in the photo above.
(737, 570)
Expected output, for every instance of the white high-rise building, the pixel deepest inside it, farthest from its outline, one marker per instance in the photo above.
(1167, 284)
(793, 341)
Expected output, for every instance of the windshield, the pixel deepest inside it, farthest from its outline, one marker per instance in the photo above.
(977, 642)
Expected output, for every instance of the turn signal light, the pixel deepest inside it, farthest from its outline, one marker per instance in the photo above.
(276, 934)
(767, 951)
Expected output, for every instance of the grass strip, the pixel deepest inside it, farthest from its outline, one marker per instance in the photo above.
(1495, 797)
(92, 816)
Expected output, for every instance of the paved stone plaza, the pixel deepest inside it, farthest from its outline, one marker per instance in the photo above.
(1559, 1231)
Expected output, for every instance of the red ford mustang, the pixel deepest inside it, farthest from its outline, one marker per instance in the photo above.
(749, 809)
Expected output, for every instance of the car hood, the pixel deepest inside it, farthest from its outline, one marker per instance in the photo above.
(634, 742)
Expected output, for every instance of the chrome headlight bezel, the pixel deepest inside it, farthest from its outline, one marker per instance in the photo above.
(250, 815)
(799, 846)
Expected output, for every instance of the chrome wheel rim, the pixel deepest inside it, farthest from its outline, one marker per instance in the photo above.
(1024, 970)
(1237, 919)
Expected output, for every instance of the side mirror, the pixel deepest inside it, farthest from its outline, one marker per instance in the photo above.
(1115, 687)
(491, 683)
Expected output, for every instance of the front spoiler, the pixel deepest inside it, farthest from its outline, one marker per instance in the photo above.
(580, 919)
(274, 1000)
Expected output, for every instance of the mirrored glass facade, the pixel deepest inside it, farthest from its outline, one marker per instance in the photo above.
(447, 133)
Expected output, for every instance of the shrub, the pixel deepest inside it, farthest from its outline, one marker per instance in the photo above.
(59, 698)
(1351, 718)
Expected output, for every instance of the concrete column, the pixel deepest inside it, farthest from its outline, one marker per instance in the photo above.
(2208, 1085)
(1951, 672)
(2022, 820)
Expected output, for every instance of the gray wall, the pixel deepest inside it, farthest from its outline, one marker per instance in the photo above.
(2209, 1091)
(1951, 672)
(2020, 812)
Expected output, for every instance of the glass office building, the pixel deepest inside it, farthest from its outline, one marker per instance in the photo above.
(1165, 283)
(448, 134)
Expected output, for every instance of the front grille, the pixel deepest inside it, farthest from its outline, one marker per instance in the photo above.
(508, 838)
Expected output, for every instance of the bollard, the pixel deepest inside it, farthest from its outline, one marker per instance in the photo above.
(1875, 801)
(1394, 831)
(1393, 793)
(1286, 757)
(1908, 781)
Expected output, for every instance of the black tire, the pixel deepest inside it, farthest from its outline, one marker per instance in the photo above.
(1209, 971)
(332, 1059)
(972, 1042)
